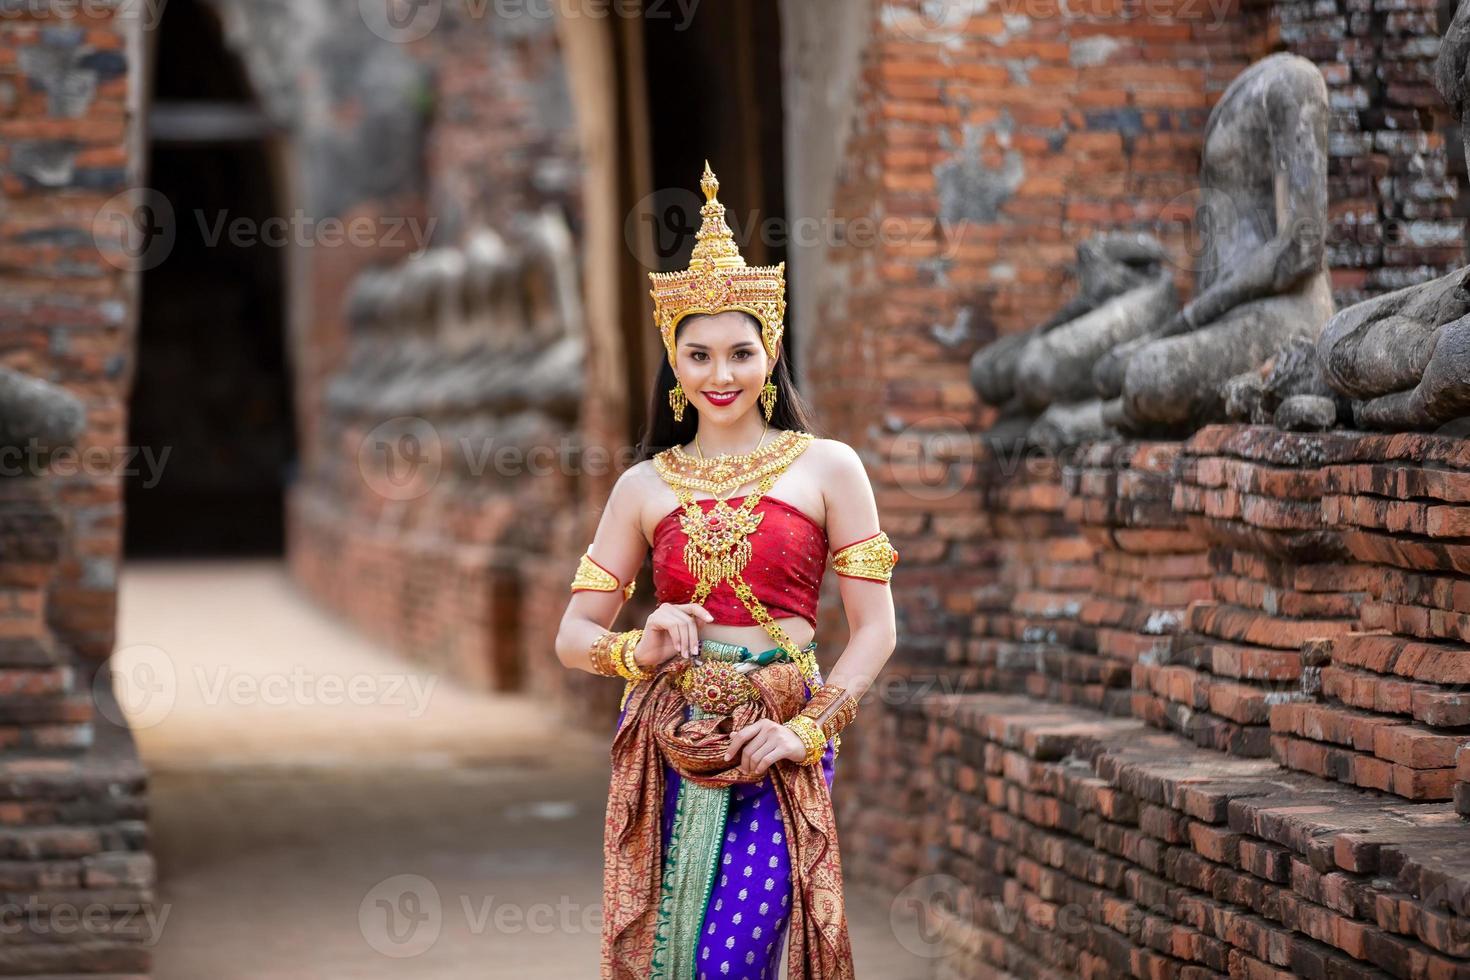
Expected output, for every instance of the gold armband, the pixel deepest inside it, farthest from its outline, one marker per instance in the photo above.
(871, 558)
(592, 577)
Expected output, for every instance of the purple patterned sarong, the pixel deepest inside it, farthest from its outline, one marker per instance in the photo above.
(745, 899)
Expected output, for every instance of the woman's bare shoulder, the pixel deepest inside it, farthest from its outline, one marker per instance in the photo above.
(836, 456)
(636, 479)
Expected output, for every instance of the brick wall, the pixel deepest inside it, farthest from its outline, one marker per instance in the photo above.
(1392, 195)
(65, 295)
(1000, 140)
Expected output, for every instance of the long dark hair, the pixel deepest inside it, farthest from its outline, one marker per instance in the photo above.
(661, 431)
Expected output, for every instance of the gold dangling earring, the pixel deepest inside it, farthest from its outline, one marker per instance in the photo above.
(677, 401)
(768, 398)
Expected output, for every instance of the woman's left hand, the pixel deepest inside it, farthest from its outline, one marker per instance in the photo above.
(764, 742)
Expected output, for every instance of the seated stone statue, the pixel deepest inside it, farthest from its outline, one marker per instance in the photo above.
(1289, 391)
(38, 413)
(1125, 288)
(1404, 357)
(1263, 276)
(1056, 365)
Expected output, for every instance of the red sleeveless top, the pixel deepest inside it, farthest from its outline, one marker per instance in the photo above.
(788, 557)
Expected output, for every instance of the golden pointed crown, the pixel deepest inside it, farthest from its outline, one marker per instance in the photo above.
(718, 279)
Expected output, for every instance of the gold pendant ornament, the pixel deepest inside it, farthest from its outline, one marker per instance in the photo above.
(678, 400)
(719, 547)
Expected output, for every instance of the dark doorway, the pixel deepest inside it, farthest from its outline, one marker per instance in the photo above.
(714, 91)
(213, 383)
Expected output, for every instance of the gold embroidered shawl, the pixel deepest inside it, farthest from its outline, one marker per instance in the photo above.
(654, 729)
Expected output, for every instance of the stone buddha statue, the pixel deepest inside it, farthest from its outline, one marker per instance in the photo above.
(1262, 276)
(37, 413)
(1125, 287)
(1404, 357)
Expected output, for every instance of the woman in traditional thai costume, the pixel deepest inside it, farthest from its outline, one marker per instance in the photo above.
(720, 840)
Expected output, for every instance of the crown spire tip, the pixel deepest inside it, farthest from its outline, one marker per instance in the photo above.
(709, 182)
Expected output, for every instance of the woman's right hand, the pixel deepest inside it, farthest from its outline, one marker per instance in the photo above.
(672, 631)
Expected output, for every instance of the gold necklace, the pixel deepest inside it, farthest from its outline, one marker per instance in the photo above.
(761, 442)
(727, 473)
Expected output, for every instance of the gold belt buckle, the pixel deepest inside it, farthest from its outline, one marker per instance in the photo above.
(717, 686)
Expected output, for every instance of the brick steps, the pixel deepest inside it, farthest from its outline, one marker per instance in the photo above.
(1149, 566)
(1395, 711)
(1097, 847)
(1280, 582)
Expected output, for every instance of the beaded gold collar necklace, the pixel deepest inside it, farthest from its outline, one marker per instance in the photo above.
(722, 475)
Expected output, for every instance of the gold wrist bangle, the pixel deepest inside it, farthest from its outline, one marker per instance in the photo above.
(832, 709)
(623, 656)
(601, 654)
(811, 736)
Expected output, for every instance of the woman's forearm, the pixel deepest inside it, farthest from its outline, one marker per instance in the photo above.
(868, 649)
(574, 644)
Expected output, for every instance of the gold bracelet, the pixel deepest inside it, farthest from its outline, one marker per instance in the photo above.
(601, 655)
(623, 656)
(832, 708)
(811, 736)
